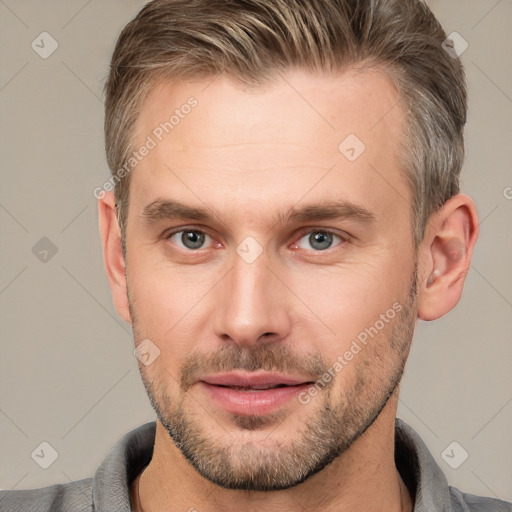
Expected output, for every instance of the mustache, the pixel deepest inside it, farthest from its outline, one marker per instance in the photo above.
(268, 357)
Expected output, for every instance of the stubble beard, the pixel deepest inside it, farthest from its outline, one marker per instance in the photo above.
(277, 463)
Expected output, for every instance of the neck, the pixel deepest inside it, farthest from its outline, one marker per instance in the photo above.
(364, 477)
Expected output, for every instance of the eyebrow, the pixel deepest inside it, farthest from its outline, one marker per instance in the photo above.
(165, 209)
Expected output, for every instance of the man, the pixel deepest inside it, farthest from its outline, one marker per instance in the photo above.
(286, 206)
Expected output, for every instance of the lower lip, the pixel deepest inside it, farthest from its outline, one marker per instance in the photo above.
(255, 402)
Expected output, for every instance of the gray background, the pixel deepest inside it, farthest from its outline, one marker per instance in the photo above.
(67, 371)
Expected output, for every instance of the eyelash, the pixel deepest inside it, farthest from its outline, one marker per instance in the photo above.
(302, 233)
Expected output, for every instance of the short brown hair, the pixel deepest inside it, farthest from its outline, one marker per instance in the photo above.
(253, 40)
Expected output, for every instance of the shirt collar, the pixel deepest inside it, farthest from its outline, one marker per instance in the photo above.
(127, 458)
(420, 472)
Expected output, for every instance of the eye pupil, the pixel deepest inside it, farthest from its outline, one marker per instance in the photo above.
(320, 240)
(192, 239)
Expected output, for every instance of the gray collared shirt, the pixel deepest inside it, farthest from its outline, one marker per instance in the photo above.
(109, 489)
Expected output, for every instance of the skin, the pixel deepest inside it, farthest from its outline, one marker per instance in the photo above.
(248, 155)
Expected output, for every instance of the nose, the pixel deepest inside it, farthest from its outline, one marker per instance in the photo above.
(253, 305)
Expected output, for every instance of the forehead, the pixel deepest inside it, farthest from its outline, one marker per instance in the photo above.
(299, 135)
(280, 110)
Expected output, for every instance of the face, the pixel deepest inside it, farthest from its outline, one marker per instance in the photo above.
(270, 261)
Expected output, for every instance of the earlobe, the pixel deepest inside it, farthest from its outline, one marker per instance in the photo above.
(445, 256)
(113, 254)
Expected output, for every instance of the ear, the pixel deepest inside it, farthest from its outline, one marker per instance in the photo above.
(445, 256)
(113, 253)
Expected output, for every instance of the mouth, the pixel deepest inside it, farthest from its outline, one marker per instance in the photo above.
(254, 380)
(253, 394)
(256, 388)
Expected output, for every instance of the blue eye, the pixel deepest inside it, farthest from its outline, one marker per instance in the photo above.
(194, 239)
(188, 238)
(318, 240)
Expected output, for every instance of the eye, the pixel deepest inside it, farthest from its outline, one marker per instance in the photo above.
(189, 239)
(318, 240)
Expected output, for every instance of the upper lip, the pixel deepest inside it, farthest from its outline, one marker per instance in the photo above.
(247, 380)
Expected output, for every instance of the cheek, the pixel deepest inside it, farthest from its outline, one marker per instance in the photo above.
(164, 291)
(370, 362)
(170, 306)
(351, 298)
